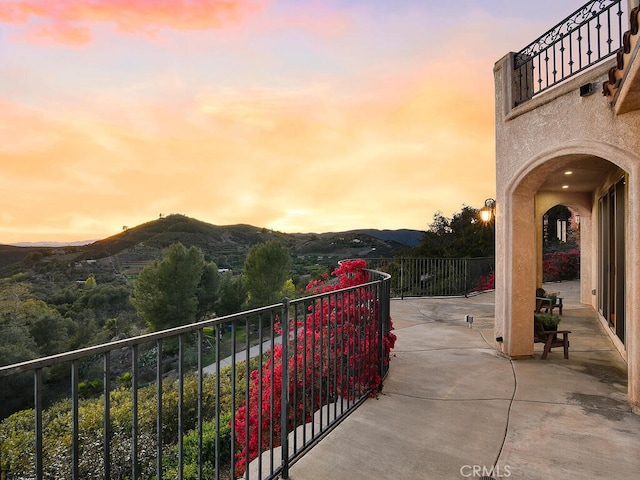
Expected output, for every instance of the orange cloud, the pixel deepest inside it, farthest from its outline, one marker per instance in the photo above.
(65, 21)
(304, 158)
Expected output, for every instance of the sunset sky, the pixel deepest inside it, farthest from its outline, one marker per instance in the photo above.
(295, 115)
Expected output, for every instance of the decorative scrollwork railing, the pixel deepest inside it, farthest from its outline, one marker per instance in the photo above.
(586, 37)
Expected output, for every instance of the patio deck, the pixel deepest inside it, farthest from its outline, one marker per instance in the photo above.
(452, 408)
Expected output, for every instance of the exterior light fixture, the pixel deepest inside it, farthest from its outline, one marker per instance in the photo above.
(568, 172)
(486, 212)
(565, 186)
(587, 89)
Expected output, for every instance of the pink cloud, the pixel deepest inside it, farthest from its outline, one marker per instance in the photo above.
(58, 32)
(66, 21)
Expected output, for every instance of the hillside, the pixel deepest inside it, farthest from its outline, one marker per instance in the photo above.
(403, 236)
(127, 252)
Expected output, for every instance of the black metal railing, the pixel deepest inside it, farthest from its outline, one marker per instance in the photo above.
(237, 396)
(586, 37)
(436, 277)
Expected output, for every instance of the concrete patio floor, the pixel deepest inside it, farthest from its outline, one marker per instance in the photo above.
(452, 408)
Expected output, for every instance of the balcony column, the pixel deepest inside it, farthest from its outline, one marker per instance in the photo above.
(632, 310)
(515, 275)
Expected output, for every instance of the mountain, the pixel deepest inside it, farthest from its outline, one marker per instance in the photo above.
(53, 244)
(403, 236)
(128, 251)
(10, 254)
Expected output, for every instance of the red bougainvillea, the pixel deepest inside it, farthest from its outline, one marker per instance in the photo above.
(486, 282)
(558, 266)
(334, 352)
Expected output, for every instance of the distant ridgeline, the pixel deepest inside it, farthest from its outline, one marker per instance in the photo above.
(126, 253)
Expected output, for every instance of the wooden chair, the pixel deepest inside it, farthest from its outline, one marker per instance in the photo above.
(550, 338)
(548, 302)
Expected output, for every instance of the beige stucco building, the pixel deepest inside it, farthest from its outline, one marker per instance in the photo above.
(557, 113)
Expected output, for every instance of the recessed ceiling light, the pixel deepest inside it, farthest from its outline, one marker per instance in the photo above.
(565, 186)
(568, 172)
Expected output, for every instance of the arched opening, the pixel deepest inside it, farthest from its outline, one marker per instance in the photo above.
(562, 189)
(560, 244)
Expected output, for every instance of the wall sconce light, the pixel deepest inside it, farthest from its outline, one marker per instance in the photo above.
(486, 212)
(587, 89)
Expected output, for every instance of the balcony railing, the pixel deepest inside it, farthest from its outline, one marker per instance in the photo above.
(436, 277)
(586, 37)
(182, 403)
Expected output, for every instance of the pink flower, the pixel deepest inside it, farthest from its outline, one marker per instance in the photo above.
(335, 350)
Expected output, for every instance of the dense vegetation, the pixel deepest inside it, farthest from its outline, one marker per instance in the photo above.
(463, 235)
(17, 431)
(55, 299)
(234, 402)
(81, 294)
(177, 290)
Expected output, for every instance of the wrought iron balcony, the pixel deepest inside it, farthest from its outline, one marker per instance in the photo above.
(163, 405)
(588, 36)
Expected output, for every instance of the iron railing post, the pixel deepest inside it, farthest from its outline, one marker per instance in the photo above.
(107, 416)
(158, 410)
(134, 412)
(37, 400)
(284, 404)
(180, 405)
(218, 332)
(75, 424)
(199, 403)
(401, 278)
(466, 277)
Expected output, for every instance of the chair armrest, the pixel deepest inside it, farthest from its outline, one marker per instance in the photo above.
(554, 332)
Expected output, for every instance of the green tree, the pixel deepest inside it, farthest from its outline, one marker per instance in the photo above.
(288, 290)
(165, 293)
(436, 239)
(233, 295)
(463, 235)
(12, 295)
(16, 343)
(51, 332)
(208, 290)
(90, 282)
(28, 320)
(266, 268)
(471, 236)
(105, 301)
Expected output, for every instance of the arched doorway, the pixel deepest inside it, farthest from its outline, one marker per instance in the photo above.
(560, 244)
(576, 181)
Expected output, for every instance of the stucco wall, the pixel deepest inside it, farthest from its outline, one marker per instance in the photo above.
(533, 142)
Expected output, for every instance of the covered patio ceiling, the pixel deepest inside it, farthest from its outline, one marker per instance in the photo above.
(587, 174)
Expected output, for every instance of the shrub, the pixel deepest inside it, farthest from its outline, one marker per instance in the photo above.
(562, 265)
(190, 450)
(17, 455)
(556, 266)
(486, 282)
